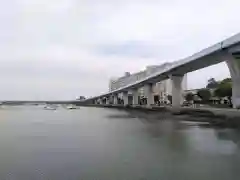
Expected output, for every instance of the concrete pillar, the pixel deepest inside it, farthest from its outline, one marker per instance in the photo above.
(104, 100)
(107, 100)
(125, 98)
(233, 63)
(115, 99)
(135, 97)
(100, 101)
(177, 97)
(149, 94)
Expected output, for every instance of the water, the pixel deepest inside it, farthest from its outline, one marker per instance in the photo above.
(108, 144)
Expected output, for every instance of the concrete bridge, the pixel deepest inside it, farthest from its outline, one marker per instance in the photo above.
(225, 51)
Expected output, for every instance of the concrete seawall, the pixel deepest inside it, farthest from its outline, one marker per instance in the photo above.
(212, 116)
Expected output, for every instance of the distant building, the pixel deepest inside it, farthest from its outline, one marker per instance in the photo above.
(127, 74)
(193, 91)
(161, 89)
(80, 98)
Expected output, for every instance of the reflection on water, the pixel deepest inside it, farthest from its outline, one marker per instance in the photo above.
(95, 143)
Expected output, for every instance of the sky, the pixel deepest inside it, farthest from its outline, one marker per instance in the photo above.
(61, 49)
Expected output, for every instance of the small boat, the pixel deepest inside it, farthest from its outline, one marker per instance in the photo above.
(71, 107)
(49, 107)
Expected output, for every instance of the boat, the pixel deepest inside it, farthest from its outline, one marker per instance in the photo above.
(71, 107)
(48, 107)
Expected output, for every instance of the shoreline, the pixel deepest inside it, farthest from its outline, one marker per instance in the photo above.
(224, 118)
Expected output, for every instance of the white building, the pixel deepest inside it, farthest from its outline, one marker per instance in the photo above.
(160, 90)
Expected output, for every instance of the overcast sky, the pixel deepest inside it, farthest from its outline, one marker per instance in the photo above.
(59, 49)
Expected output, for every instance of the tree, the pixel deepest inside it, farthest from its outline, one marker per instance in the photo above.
(212, 84)
(227, 80)
(204, 94)
(224, 89)
(189, 96)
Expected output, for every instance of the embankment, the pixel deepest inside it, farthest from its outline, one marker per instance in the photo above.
(229, 118)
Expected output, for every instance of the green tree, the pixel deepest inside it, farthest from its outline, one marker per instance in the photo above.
(212, 84)
(224, 89)
(189, 96)
(227, 80)
(204, 94)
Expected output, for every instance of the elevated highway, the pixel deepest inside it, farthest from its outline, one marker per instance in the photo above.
(225, 51)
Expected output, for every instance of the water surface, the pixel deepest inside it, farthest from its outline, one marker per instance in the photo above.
(108, 144)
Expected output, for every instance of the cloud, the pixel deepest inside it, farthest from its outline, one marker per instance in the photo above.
(129, 49)
(58, 49)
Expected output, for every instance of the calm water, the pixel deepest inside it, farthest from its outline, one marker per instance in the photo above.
(107, 144)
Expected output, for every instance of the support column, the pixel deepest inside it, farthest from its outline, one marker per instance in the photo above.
(233, 63)
(107, 101)
(176, 91)
(104, 100)
(125, 98)
(115, 99)
(148, 94)
(135, 97)
(100, 101)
